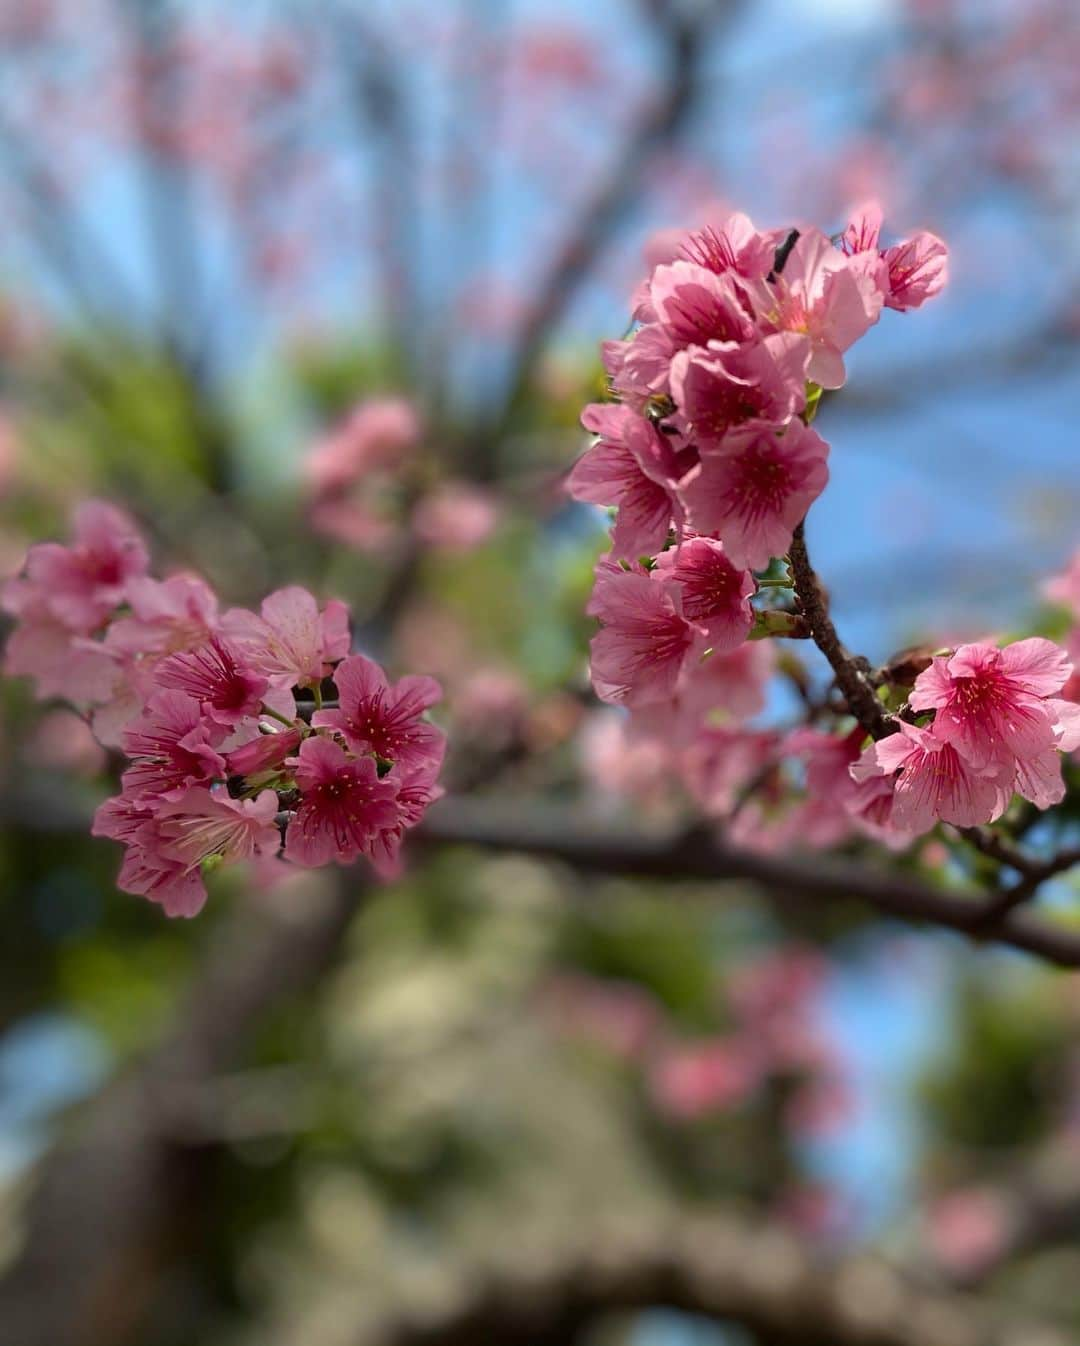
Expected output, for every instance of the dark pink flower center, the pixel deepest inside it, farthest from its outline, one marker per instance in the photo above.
(708, 587)
(696, 314)
(981, 694)
(711, 249)
(211, 674)
(725, 404)
(656, 642)
(762, 482)
(381, 725)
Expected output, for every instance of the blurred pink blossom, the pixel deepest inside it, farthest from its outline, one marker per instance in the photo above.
(456, 517)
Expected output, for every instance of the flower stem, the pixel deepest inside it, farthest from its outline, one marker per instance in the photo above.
(858, 693)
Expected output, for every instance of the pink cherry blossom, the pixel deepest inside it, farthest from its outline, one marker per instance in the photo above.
(178, 890)
(640, 368)
(863, 230)
(835, 804)
(1065, 588)
(694, 305)
(859, 243)
(417, 790)
(344, 806)
(378, 433)
(871, 808)
(691, 1080)
(205, 823)
(385, 718)
(722, 689)
(721, 762)
(145, 871)
(79, 586)
(819, 294)
(644, 640)
(715, 593)
(734, 683)
(755, 491)
(995, 705)
(132, 686)
(621, 765)
(634, 467)
(934, 782)
(218, 677)
(355, 521)
(166, 616)
(354, 471)
(918, 269)
(172, 746)
(726, 384)
(61, 664)
(906, 274)
(196, 701)
(1038, 776)
(968, 1228)
(63, 741)
(267, 752)
(734, 246)
(169, 843)
(456, 516)
(291, 643)
(822, 819)
(121, 818)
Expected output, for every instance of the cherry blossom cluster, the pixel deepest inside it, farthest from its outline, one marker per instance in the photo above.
(710, 460)
(998, 729)
(770, 1048)
(248, 734)
(367, 481)
(709, 445)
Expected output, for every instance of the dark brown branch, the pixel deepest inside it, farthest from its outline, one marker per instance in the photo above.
(996, 847)
(698, 854)
(862, 702)
(1033, 874)
(850, 678)
(726, 1268)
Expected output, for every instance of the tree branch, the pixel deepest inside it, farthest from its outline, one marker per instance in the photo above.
(730, 1269)
(850, 677)
(863, 704)
(682, 31)
(699, 854)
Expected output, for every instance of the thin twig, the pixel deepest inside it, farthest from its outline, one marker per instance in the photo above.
(850, 678)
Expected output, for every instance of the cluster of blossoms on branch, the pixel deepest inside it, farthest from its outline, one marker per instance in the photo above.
(710, 459)
(998, 729)
(368, 484)
(248, 734)
(770, 1035)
